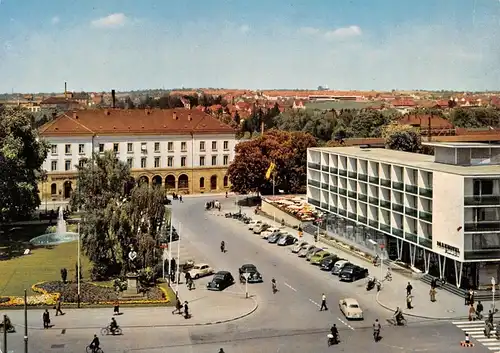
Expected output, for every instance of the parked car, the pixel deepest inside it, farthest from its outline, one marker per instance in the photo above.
(299, 245)
(304, 251)
(200, 270)
(253, 224)
(259, 228)
(339, 265)
(221, 281)
(273, 239)
(268, 232)
(318, 257)
(328, 262)
(353, 273)
(286, 240)
(351, 309)
(312, 252)
(254, 275)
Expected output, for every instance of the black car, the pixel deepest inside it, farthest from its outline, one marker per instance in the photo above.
(353, 273)
(328, 262)
(287, 240)
(220, 281)
(254, 275)
(273, 239)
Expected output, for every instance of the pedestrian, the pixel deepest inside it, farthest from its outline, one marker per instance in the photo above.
(58, 307)
(186, 310)
(180, 198)
(408, 301)
(323, 303)
(479, 309)
(472, 311)
(471, 297)
(409, 289)
(116, 308)
(46, 319)
(434, 283)
(432, 294)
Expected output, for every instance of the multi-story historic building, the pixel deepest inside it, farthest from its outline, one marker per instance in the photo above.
(428, 211)
(184, 151)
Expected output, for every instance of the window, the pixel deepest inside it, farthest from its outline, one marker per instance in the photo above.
(81, 148)
(157, 162)
(157, 147)
(53, 149)
(144, 147)
(214, 145)
(130, 162)
(202, 182)
(226, 145)
(67, 149)
(202, 161)
(81, 163)
(116, 147)
(101, 148)
(143, 162)
(170, 161)
(170, 147)
(225, 160)
(130, 147)
(183, 146)
(53, 165)
(202, 145)
(53, 189)
(226, 181)
(67, 165)
(183, 161)
(214, 160)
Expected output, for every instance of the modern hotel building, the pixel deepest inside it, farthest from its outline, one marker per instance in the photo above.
(438, 213)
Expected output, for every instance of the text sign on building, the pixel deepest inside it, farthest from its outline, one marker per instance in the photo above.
(448, 249)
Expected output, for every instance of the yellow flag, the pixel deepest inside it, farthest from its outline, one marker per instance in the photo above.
(270, 170)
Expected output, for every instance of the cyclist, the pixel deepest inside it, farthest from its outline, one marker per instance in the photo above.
(95, 344)
(335, 332)
(273, 284)
(222, 246)
(113, 325)
(398, 316)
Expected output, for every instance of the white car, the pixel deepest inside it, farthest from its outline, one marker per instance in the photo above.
(253, 224)
(351, 309)
(259, 228)
(267, 233)
(299, 246)
(200, 270)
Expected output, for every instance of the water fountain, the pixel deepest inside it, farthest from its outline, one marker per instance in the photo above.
(60, 236)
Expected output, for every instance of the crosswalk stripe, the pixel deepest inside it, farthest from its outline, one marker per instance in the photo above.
(476, 330)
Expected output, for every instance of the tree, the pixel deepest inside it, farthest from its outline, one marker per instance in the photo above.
(368, 124)
(21, 156)
(402, 138)
(465, 118)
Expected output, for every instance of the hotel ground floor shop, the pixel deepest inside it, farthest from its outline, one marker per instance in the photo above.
(465, 275)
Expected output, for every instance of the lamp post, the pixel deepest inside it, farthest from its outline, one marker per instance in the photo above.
(246, 275)
(78, 267)
(178, 261)
(5, 335)
(493, 283)
(25, 321)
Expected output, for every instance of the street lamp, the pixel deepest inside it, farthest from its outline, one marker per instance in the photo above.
(78, 267)
(493, 283)
(246, 275)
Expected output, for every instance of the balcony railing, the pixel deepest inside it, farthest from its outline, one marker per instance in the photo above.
(426, 216)
(324, 206)
(333, 170)
(385, 204)
(425, 192)
(411, 237)
(397, 232)
(333, 188)
(314, 183)
(342, 212)
(425, 242)
(373, 180)
(485, 226)
(398, 186)
(352, 216)
(362, 197)
(324, 168)
(324, 186)
(342, 191)
(362, 219)
(313, 202)
(373, 223)
(385, 182)
(373, 200)
(476, 200)
(352, 194)
(397, 207)
(362, 177)
(352, 175)
(411, 189)
(385, 228)
(314, 166)
(411, 211)
(343, 172)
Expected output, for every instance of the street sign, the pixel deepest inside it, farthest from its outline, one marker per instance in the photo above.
(382, 246)
(164, 246)
(164, 256)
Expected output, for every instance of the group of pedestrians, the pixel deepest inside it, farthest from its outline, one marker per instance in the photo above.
(179, 307)
(46, 314)
(214, 204)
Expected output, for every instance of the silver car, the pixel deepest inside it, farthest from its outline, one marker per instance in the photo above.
(299, 246)
(312, 252)
(303, 252)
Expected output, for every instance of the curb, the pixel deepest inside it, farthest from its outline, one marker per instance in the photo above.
(418, 316)
(208, 323)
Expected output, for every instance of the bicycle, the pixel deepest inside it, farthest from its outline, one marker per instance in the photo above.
(107, 331)
(402, 322)
(92, 350)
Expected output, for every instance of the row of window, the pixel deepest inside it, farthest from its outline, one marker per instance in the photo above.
(130, 147)
(144, 162)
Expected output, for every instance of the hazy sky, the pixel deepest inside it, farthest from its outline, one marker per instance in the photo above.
(98, 45)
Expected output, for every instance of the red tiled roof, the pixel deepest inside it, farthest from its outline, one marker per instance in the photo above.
(57, 100)
(403, 103)
(135, 122)
(422, 121)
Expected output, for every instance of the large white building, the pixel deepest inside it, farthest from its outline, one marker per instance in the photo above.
(186, 151)
(440, 213)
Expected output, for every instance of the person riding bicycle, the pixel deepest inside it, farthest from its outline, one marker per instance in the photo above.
(222, 246)
(334, 331)
(273, 284)
(398, 315)
(95, 344)
(113, 325)
(7, 324)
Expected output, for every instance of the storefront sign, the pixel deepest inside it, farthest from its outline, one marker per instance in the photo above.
(448, 249)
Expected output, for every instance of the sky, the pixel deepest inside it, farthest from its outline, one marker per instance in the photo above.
(97, 45)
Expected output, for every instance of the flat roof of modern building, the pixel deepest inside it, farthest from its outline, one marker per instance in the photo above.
(415, 160)
(460, 144)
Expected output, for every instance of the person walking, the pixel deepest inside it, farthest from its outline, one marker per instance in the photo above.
(186, 310)
(409, 288)
(472, 311)
(471, 297)
(432, 294)
(116, 308)
(323, 303)
(46, 319)
(58, 307)
(408, 301)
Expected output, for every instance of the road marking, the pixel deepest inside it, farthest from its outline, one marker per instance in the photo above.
(289, 286)
(345, 323)
(312, 301)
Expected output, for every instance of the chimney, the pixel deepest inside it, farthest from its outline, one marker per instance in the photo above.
(189, 117)
(65, 90)
(113, 97)
(174, 115)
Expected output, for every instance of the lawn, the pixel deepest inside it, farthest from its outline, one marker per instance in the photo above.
(43, 264)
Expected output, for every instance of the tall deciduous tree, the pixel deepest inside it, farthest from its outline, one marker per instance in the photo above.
(402, 138)
(21, 156)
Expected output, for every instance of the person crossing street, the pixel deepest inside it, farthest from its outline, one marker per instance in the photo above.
(323, 303)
